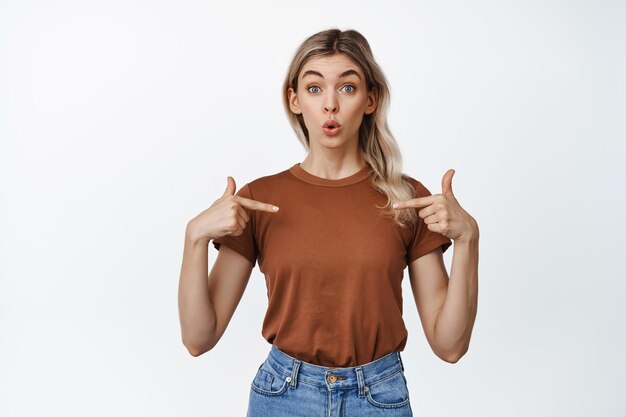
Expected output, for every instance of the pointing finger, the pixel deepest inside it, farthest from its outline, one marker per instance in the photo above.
(256, 205)
(416, 202)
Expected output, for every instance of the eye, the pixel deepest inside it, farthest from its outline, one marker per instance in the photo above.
(350, 86)
(311, 86)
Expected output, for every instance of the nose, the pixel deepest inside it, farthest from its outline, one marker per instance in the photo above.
(330, 105)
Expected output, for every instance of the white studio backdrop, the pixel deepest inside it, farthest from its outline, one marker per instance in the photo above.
(120, 120)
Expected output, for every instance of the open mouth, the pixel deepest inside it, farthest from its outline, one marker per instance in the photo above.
(331, 124)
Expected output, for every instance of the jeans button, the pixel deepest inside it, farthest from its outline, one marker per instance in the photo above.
(332, 378)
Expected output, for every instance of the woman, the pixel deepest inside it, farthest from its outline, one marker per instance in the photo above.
(333, 235)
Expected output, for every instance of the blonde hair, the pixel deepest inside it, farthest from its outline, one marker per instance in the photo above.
(377, 145)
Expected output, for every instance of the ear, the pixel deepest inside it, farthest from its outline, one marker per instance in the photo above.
(293, 101)
(372, 100)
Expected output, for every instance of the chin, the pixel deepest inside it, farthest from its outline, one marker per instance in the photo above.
(331, 142)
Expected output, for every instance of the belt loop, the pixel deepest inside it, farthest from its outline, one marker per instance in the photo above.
(359, 377)
(294, 373)
(400, 359)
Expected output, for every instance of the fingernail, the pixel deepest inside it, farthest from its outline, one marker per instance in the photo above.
(396, 205)
(274, 208)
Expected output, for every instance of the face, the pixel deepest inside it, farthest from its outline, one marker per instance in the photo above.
(332, 87)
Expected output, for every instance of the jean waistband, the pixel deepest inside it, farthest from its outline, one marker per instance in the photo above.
(360, 376)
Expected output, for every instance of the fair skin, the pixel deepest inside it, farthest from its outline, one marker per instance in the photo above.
(206, 305)
(447, 306)
(323, 94)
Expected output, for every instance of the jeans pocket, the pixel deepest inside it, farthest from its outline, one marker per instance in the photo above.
(268, 381)
(391, 392)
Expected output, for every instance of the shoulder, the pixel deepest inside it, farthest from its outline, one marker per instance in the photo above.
(269, 181)
(419, 188)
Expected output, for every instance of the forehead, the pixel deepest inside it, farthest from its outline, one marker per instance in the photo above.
(331, 65)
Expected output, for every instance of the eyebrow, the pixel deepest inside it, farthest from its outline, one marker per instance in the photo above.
(343, 74)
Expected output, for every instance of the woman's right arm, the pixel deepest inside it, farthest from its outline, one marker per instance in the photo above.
(208, 302)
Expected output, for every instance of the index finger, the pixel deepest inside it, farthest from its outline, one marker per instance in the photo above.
(256, 205)
(416, 202)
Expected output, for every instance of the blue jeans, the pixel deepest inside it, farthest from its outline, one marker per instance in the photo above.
(287, 387)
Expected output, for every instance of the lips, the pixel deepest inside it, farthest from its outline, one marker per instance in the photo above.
(331, 124)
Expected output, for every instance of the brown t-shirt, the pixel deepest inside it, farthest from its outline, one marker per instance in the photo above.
(333, 265)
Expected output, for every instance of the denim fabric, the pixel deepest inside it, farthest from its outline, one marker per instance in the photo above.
(285, 386)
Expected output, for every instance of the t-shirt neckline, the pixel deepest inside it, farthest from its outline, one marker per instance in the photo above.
(305, 176)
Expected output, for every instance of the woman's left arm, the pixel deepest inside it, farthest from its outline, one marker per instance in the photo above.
(447, 307)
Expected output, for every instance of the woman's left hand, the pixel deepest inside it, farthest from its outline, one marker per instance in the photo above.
(442, 213)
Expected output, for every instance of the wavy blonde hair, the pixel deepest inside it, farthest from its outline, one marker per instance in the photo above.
(377, 145)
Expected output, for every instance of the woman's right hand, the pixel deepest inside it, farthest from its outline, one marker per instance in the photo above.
(226, 216)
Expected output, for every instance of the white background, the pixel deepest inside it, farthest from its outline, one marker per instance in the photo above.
(120, 120)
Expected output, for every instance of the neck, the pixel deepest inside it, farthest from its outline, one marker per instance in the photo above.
(332, 168)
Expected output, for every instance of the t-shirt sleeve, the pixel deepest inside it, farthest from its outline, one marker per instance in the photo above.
(245, 243)
(425, 240)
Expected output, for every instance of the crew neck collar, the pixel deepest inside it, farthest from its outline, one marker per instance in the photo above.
(306, 176)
